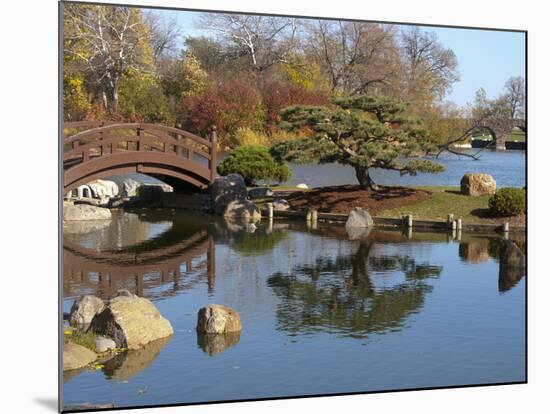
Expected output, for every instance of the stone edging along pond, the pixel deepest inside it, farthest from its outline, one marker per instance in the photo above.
(404, 222)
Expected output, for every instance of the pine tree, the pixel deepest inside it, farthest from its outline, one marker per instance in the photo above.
(361, 131)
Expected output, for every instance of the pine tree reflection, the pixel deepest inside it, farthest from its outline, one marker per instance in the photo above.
(337, 294)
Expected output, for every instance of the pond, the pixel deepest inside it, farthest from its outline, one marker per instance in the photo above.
(506, 167)
(321, 314)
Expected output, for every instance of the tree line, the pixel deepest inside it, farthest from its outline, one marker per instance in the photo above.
(127, 64)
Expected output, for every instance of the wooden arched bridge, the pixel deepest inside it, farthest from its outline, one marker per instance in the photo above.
(97, 149)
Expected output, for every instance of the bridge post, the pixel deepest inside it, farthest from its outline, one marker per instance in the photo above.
(213, 161)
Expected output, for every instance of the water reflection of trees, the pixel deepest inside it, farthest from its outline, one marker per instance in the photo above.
(337, 294)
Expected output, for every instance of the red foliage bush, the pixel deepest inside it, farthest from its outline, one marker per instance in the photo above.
(278, 95)
(229, 106)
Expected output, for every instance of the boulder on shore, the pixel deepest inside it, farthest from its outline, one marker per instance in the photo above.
(131, 321)
(85, 212)
(76, 356)
(477, 184)
(84, 309)
(226, 189)
(242, 210)
(218, 319)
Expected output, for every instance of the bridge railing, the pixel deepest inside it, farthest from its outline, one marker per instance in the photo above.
(85, 140)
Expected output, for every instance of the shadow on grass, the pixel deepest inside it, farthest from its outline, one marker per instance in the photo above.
(481, 213)
(327, 198)
(457, 192)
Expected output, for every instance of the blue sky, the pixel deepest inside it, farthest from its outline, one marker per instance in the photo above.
(485, 58)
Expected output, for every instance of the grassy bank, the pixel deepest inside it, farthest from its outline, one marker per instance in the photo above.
(439, 202)
(449, 200)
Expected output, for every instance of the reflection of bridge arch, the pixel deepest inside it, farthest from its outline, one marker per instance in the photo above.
(100, 149)
(139, 270)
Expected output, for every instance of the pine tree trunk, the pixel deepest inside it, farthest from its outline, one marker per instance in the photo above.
(365, 181)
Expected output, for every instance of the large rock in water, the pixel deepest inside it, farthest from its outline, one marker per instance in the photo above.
(218, 319)
(131, 321)
(85, 212)
(226, 189)
(242, 210)
(76, 356)
(84, 309)
(359, 218)
(477, 184)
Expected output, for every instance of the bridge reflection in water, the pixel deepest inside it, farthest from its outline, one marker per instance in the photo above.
(146, 269)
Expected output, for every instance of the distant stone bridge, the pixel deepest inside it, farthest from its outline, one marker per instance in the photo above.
(498, 128)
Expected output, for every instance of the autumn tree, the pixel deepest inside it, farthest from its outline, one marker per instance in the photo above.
(361, 131)
(357, 57)
(183, 77)
(109, 42)
(430, 69)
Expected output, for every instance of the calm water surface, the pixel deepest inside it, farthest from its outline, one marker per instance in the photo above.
(506, 167)
(320, 313)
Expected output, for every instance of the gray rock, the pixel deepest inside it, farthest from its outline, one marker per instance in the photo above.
(103, 189)
(76, 356)
(477, 184)
(103, 344)
(359, 218)
(131, 321)
(130, 187)
(260, 192)
(84, 309)
(226, 189)
(218, 319)
(242, 210)
(85, 212)
(281, 205)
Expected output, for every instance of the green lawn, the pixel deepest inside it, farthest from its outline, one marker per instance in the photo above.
(444, 200)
